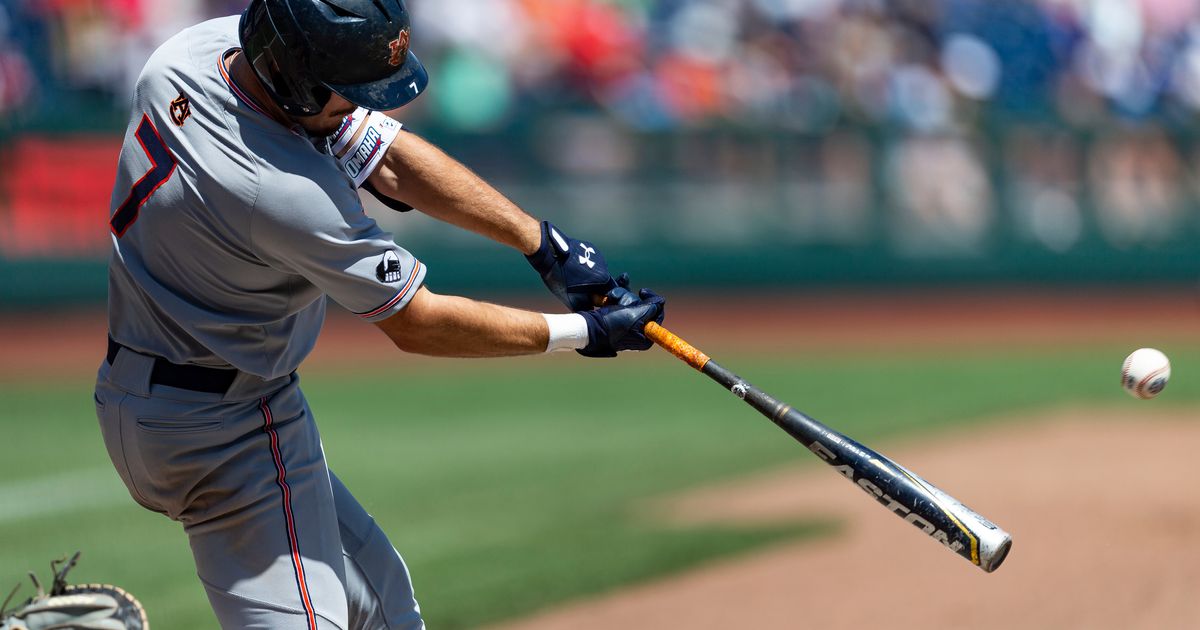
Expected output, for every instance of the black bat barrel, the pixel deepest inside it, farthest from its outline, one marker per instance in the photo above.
(903, 493)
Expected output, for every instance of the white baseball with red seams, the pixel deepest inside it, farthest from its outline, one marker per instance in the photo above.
(1145, 373)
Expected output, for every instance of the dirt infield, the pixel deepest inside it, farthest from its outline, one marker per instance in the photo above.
(1101, 507)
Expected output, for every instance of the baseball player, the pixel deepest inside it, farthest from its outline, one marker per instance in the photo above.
(234, 214)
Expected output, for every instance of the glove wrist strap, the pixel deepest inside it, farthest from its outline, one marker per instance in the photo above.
(543, 259)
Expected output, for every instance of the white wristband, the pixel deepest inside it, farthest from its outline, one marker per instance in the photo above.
(567, 332)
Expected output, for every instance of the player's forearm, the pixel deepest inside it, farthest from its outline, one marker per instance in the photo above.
(451, 326)
(419, 174)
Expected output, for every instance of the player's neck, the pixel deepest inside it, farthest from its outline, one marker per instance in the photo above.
(243, 75)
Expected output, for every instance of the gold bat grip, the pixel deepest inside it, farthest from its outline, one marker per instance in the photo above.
(676, 346)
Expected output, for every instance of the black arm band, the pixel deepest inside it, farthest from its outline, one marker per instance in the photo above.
(394, 204)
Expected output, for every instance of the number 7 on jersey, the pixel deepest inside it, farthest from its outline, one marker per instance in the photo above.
(162, 167)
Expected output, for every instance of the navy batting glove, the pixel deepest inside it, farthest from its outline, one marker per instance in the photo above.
(620, 295)
(612, 329)
(573, 270)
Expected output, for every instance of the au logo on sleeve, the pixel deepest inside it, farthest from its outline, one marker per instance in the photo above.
(181, 109)
(388, 270)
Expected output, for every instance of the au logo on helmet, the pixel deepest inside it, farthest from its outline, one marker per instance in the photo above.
(399, 48)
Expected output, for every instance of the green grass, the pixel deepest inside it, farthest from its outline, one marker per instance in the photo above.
(512, 485)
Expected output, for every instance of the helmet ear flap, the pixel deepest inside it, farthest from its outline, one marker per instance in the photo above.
(321, 95)
(283, 71)
(265, 65)
(285, 90)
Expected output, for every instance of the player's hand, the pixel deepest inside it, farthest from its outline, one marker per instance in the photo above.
(619, 326)
(574, 271)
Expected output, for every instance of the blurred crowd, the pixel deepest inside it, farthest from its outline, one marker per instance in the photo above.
(809, 65)
(936, 127)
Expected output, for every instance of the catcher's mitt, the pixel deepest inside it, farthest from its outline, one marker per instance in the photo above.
(75, 606)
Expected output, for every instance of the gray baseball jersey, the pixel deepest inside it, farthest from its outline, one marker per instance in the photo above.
(229, 230)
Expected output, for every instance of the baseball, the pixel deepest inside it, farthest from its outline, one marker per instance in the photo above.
(1145, 373)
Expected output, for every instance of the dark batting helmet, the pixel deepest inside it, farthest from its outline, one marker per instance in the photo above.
(302, 50)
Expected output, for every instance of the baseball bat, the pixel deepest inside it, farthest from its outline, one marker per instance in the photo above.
(902, 492)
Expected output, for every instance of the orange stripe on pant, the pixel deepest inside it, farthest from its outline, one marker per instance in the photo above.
(293, 540)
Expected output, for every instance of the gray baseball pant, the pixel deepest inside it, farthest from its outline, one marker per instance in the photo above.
(278, 541)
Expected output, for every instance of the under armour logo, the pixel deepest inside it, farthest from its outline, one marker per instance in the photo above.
(586, 258)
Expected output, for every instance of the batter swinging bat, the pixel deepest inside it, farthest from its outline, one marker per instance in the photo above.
(908, 496)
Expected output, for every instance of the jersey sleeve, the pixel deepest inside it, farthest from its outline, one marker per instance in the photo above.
(361, 142)
(321, 233)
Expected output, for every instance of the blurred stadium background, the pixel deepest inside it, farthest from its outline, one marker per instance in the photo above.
(908, 162)
(777, 142)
